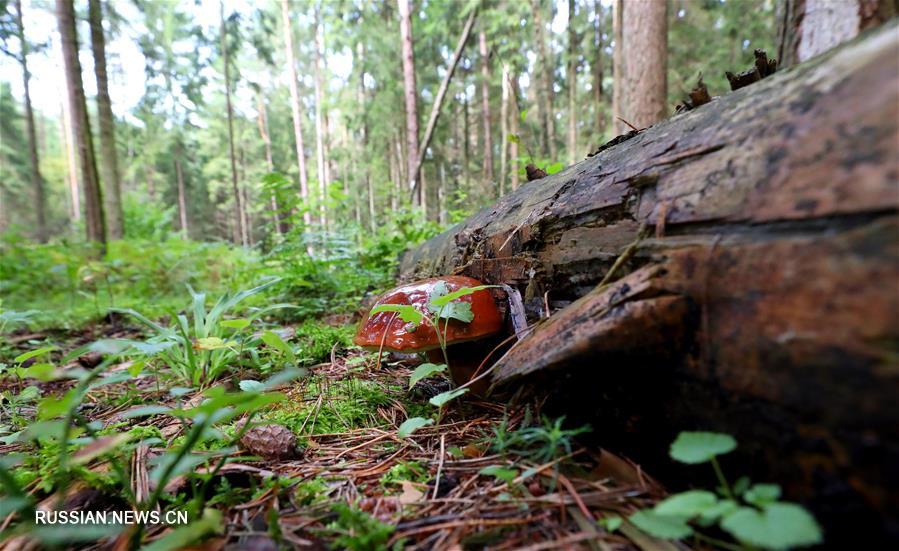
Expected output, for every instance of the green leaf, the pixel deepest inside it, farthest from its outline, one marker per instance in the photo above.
(275, 341)
(236, 324)
(524, 115)
(136, 367)
(553, 168)
(687, 504)
(498, 471)
(445, 298)
(411, 425)
(762, 494)
(610, 523)
(144, 411)
(425, 370)
(779, 526)
(721, 509)
(249, 385)
(39, 371)
(180, 537)
(665, 527)
(212, 343)
(441, 399)
(457, 310)
(741, 485)
(406, 312)
(699, 447)
(98, 447)
(34, 353)
(513, 138)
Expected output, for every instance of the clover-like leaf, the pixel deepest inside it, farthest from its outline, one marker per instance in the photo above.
(441, 399)
(411, 425)
(406, 312)
(778, 526)
(762, 494)
(498, 471)
(688, 504)
(424, 371)
(699, 447)
(661, 526)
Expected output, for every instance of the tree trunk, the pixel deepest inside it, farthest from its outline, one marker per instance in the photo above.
(643, 62)
(68, 140)
(572, 85)
(410, 93)
(543, 83)
(182, 195)
(37, 181)
(94, 222)
(756, 304)
(485, 107)
(441, 94)
(514, 117)
(618, 127)
(109, 165)
(807, 28)
(240, 229)
(504, 126)
(262, 123)
(598, 100)
(295, 108)
(321, 128)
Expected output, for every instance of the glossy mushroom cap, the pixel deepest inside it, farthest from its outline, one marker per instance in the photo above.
(395, 334)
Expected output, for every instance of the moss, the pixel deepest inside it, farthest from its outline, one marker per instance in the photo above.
(345, 405)
(413, 471)
(317, 339)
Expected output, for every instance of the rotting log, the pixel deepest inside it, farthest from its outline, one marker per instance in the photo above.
(764, 301)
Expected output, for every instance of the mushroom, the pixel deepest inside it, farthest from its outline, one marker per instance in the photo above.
(465, 342)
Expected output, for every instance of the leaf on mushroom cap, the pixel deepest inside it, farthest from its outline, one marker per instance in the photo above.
(469, 315)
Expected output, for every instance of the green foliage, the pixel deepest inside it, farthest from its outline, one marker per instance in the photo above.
(424, 371)
(541, 443)
(411, 425)
(760, 521)
(202, 344)
(413, 471)
(358, 531)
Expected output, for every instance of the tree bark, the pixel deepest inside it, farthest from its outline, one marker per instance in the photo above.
(807, 28)
(295, 108)
(755, 303)
(571, 77)
(321, 128)
(643, 63)
(68, 141)
(485, 108)
(109, 164)
(94, 220)
(410, 94)
(182, 195)
(37, 180)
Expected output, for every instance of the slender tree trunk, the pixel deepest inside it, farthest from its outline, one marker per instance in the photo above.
(598, 100)
(95, 223)
(151, 184)
(618, 127)
(485, 106)
(109, 165)
(466, 142)
(644, 49)
(572, 85)
(441, 94)
(361, 101)
(504, 139)
(262, 123)
(441, 196)
(68, 140)
(182, 194)
(321, 127)
(240, 230)
(37, 181)
(410, 95)
(512, 83)
(544, 85)
(295, 107)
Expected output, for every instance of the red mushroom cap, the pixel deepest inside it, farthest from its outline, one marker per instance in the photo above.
(388, 330)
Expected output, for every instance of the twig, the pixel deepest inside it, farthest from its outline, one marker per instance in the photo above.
(439, 465)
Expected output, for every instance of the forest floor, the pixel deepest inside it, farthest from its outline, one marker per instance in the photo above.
(486, 474)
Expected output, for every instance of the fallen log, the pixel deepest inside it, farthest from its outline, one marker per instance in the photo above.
(764, 300)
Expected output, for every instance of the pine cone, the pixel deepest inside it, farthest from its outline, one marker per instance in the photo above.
(271, 442)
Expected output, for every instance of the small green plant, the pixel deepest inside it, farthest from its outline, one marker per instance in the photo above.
(359, 531)
(202, 344)
(752, 514)
(541, 443)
